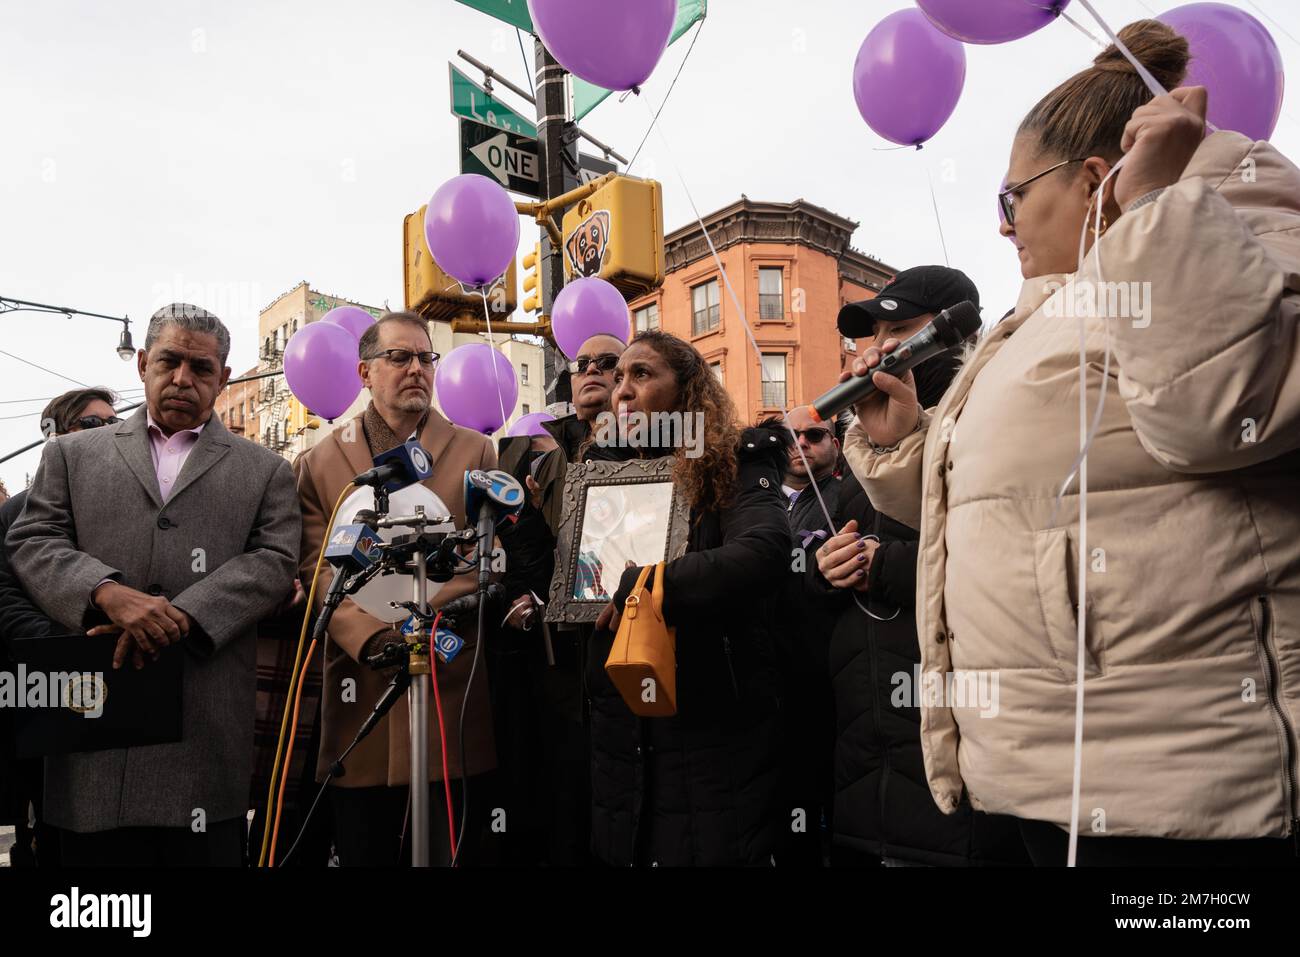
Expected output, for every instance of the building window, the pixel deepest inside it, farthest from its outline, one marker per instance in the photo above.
(647, 317)
(774, 380)
(527, 407)
(523, 373)
(716, 369)
(771, 294)
(704, 303)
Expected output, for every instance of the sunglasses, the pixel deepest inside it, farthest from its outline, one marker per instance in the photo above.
(603, 363)
(814, 436)
(402, 357)
(95, 422)
(1007, 198)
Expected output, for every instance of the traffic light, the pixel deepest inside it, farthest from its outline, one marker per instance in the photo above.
(532, 278)
(617, 233)
(299, 418)
(435, 295)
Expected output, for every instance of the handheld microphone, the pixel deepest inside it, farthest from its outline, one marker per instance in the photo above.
(497, 491)
(352, 549)
(454, 609)
(949, 329)
(355, 546)
(397, 468)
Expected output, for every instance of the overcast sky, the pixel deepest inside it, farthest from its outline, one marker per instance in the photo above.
(219, 153)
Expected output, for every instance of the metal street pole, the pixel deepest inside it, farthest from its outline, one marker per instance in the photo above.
(558, 152)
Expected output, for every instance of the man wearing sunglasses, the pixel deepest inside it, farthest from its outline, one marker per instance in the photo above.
(807, 620)
(21, 782)
(397, 365)
(558, 776)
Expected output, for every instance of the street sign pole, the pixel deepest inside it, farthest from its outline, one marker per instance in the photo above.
(558, 151)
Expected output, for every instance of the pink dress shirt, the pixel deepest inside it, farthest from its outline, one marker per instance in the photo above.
(170, 453)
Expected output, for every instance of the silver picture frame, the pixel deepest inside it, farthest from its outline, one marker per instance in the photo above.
(613, 515)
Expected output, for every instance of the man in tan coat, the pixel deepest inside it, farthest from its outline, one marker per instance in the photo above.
(369, 801)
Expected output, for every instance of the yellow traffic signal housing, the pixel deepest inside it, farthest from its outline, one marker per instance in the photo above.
(435, 295)
(299, 418)
(532, 271)
(617, 233)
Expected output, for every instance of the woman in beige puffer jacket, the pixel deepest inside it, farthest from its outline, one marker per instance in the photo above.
(1192, 649)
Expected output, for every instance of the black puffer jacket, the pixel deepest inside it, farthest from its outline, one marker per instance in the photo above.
(883, 805)
(699, 788)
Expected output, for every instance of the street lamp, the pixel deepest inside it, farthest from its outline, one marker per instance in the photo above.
(125, 348)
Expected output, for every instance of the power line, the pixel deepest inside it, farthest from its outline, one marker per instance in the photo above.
(47, 398)
(1285, 31)
(43, 369)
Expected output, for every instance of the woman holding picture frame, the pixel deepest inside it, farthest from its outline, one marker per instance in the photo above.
(697, 788)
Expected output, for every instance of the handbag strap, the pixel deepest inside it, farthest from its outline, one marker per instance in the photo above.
(657, 595)
(640, 579)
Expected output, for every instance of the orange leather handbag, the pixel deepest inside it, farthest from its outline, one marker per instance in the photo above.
(642, 662)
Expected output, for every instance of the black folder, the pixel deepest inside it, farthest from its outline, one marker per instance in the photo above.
(68, 697)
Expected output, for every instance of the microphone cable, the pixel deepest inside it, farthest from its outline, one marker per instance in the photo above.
(442, 733)
(294, 688)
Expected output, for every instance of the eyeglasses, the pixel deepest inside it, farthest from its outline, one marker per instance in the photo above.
(95, 421)
(402, 357)
(814, 436)
(1007, 198)
(603, 363)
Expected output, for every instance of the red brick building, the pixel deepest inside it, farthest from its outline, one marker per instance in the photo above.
(792, 268)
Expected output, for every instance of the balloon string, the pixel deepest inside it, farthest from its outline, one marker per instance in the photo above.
(698, 30)
(496, 376)
(1082, 29)
(937, 220)
(753, 342)
(1080, 467)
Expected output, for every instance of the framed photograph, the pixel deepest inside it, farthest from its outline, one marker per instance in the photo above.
(615, 515)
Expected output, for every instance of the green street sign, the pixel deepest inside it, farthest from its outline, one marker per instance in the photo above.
(508, 158)
(470, 101)
(513, 12)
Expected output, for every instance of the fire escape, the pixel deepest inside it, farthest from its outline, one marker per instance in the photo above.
(273, 395)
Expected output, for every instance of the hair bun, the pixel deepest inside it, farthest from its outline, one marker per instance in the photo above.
(1157, 46)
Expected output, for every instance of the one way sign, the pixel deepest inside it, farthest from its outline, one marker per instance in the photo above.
(509, 158)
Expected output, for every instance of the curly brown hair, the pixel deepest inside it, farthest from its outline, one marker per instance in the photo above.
(708, 483)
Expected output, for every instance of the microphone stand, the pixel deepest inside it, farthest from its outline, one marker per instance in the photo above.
(420, 673)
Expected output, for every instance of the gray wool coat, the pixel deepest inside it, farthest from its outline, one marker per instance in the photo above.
(223, 549)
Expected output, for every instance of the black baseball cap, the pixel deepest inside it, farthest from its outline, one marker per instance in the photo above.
(913, 292)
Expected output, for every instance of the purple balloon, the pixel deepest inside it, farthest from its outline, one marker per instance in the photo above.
(474, 384)
(611, 43)
(531, 424)
(908, 77)
(320, 365)
(585, 308)
(991, 21)
(1236, 60)
(352, 318)
(472, 229)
